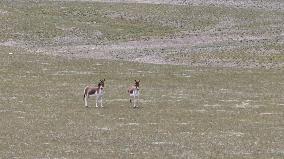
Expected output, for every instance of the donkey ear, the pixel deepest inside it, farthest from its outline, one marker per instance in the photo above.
(138, 81)
(135, 80)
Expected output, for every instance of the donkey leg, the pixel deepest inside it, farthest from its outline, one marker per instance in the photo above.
(96, 101)
(86, 102)
(137, 100)
(134, 102)
(102, 102)
(130, 98)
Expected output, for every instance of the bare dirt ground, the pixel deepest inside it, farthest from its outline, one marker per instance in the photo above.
(156, 51)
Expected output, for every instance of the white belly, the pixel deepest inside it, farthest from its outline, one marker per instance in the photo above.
(134, 94)
(97, 94)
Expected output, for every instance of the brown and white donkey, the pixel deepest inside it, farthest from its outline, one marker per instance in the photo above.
(97, 91)
(134, 92)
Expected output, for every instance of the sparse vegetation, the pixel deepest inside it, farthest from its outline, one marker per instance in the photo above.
(188, 109)
(184, 111)
(42, 22)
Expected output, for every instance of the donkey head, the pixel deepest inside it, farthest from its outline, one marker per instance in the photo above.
(137, 83)
(101, 84)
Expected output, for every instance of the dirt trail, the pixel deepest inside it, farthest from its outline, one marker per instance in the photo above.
(156, 50)
(175, 42)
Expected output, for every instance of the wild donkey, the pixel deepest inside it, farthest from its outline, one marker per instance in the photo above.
(134, 92)
(95, 91)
